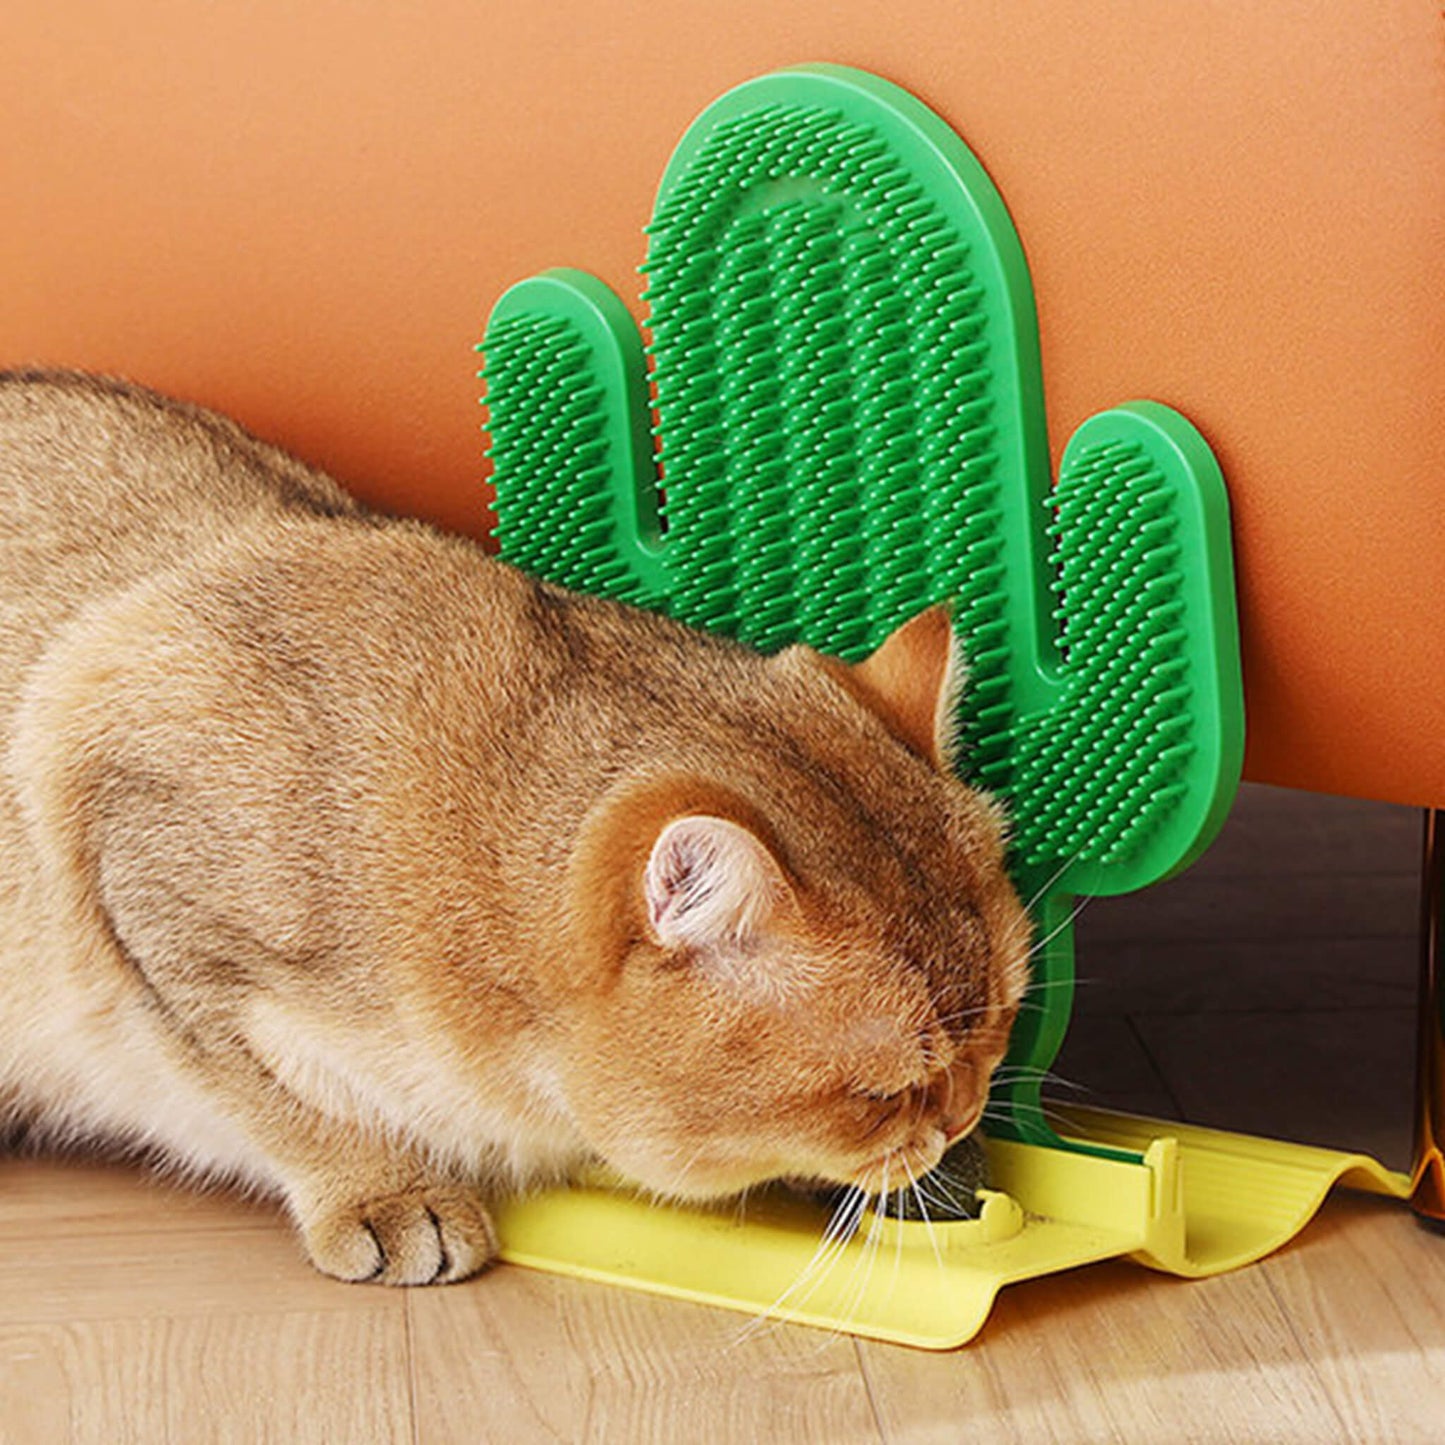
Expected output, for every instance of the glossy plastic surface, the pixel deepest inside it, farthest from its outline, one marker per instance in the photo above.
(1185, 1201)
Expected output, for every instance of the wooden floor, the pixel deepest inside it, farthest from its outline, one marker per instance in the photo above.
(1272, 989)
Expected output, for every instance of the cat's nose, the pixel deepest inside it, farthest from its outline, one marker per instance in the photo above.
(959, 1098)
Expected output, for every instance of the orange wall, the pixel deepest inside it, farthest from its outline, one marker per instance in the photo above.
(300, 210)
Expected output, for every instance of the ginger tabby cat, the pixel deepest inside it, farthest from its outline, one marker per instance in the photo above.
(342, 862)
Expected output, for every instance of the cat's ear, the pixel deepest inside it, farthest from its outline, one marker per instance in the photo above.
(914, 682)
(709, 884)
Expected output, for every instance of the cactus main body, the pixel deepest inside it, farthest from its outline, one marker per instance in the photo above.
(851, 426)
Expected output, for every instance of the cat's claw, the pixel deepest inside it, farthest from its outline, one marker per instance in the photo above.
(434, 1234)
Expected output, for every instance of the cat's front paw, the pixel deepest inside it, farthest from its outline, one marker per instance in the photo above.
(425, 1234)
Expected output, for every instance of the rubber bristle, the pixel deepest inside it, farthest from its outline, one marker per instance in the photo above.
(841, 337)
(1101, 770)
(550, 457)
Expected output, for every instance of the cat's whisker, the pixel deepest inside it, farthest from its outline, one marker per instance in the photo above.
(1043, 985)
(918, 1195)
(857, 1287)
(837, 1236)
(1053, 1110)
(897, 1241)
(945, 1199)
(1042, 943)
(1052, 879)
(1034, 986)
(994, 1115)
(920, 1016)
(1080, 1092)
(837, 1239)
(873, 1247)
(939, 1187)
(1027, 924)
(852, 1291)
(959, 1015)
(1015, 1073)
(993, 1103)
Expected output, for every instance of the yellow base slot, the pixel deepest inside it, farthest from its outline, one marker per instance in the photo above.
(1200, 1202)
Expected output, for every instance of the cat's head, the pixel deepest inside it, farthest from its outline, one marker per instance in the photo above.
(806, 953)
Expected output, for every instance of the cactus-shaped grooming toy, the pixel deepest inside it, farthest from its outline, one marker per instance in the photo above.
(851, 426)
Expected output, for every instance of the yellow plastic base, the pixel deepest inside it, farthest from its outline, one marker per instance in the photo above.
(1200, 1202)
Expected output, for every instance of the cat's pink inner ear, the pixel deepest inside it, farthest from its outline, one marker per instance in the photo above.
(709, 883)
(914, 681)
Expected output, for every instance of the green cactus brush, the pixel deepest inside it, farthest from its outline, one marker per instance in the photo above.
(851, 426)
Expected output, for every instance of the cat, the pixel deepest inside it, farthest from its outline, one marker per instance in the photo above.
(343, 862)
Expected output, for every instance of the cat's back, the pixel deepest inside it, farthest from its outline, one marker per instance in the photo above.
(87, 459)
(102, 483)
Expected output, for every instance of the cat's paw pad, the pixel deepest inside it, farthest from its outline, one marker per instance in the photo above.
(433, 1234)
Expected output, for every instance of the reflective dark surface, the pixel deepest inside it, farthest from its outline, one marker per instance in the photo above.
(1429, 1173)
